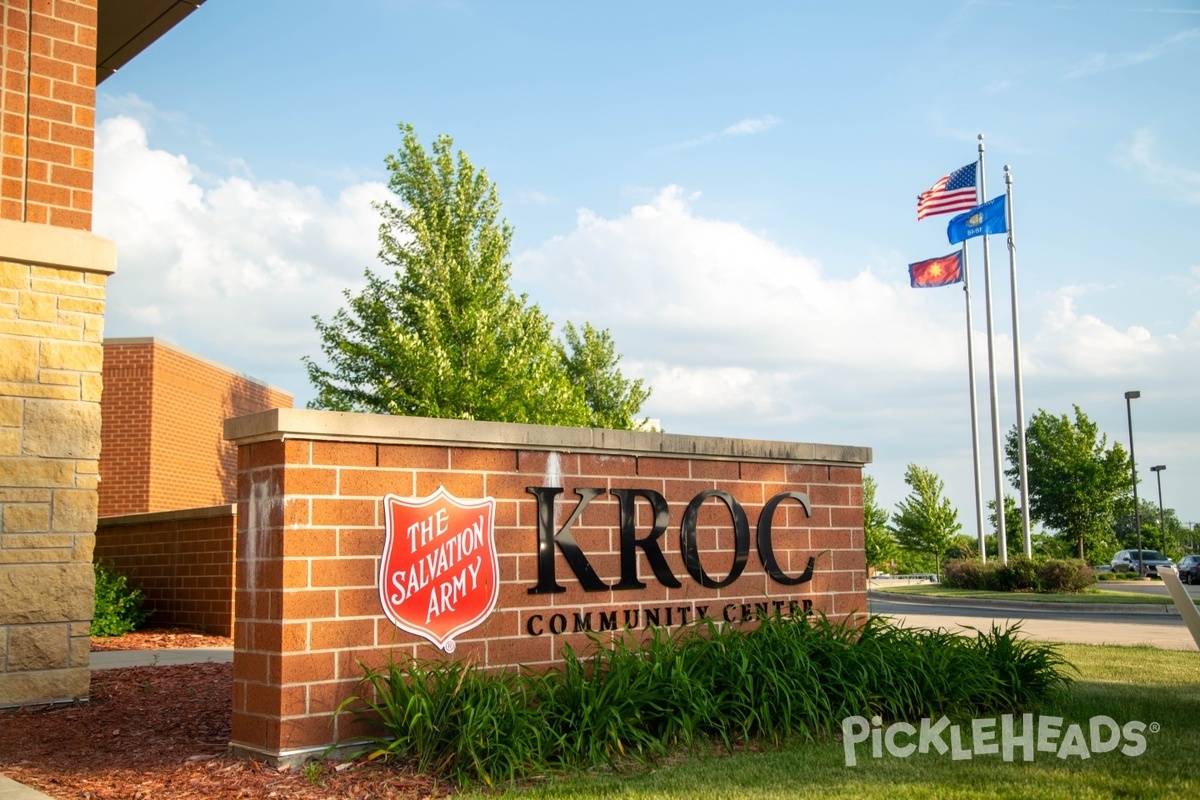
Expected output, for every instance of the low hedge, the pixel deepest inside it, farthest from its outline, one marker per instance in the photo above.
(1021, 574)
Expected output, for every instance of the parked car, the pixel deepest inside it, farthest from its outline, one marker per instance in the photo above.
(1189, 569)
(1127, 561)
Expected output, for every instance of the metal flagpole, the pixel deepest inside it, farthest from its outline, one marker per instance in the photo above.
(1026, 538)
(974, 411)
(1001, 541)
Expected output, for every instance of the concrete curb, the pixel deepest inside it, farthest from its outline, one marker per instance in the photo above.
(1019, 605)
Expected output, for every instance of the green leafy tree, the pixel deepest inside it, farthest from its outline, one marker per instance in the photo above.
(1012, 517)
(591, 359)
(962, 546)
(445, 336)
(877, 539)
(925, 521)
(1076, 481)
(1170, 538)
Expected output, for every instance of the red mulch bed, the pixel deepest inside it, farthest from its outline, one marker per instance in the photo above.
(163, 732)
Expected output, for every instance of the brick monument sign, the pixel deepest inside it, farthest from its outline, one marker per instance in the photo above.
(363, 537)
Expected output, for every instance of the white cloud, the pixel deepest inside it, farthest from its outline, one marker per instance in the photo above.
(706, 291)
(1071, 343)
(1141, 156)
(229, 267)
(745, 127)
(1103, 62)
(739, 337)
(750, 126)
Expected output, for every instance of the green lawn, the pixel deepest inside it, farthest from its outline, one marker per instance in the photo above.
(1166, 692)
(1095, 596)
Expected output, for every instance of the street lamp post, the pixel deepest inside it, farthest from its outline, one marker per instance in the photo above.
(1137, 520)
(1162, 525)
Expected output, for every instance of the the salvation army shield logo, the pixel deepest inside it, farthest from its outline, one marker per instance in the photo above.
(439, 576)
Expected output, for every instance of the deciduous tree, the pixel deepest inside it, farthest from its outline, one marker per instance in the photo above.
(925, 521)
(877, 539)
(445, 336)
(1076, 481)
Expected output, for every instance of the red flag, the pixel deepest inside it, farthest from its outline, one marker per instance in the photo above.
(936, 271)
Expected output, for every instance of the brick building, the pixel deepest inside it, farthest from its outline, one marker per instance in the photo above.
(52, 294)
(168, 478)
(162, 446)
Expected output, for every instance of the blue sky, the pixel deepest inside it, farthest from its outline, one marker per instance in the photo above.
(730, 188)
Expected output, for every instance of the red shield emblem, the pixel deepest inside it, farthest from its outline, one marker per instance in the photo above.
(439, 576)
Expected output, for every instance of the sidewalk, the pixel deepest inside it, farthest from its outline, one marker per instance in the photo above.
(1147, 625)
(116, 659)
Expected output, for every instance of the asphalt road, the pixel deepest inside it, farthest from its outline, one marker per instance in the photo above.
(1156, 629)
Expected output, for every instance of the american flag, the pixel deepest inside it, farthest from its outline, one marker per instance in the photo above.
(955, 192)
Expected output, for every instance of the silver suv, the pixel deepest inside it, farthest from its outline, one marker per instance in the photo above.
(1127, 561)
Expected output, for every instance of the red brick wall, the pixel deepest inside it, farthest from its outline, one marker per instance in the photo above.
(125, 413)
(162, 412)
(311, 536)
(47, 111)
(181, 560)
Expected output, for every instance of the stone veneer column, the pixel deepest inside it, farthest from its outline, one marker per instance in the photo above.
(51, 328)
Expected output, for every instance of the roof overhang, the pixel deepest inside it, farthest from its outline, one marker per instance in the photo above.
(127, 27)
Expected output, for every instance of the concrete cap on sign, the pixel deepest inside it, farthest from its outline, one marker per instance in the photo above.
(297, 423)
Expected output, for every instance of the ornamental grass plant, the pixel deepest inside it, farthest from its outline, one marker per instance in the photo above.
(785, 679)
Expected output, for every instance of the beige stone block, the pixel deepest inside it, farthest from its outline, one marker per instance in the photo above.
(42, 330)
(91, 387)
(39, 390)
(81, 649)
(96, 278)
(40, 556)
(74, 510)
(8, 311)
(87, 466)
(38, 647)
(87, 481)
(10, 441)
(18, 359)
(14, 276)
(93, 326)
(10, 412)
(82, 356)
(85, 546)
(56, 378)
(66, 289)
(81, 305)
(36, 472)
(9, 297)
(10, 495)
(35, 540)
(56, 429)
(55, 274)
(26, 518)
(3, 648)
(50, 686)
(43, 593)
(81, 628)
(40, 307)
(71, 318)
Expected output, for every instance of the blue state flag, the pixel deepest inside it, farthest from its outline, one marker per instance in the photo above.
(987, 218)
